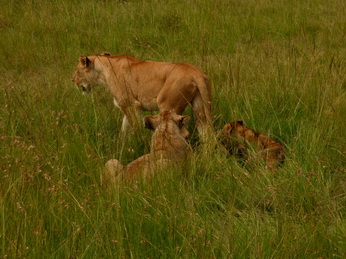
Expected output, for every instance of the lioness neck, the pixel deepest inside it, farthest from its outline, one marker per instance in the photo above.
(100, 71)
(106, 68)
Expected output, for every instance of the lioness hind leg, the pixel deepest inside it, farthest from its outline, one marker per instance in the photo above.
(203, 118)
(112, 168)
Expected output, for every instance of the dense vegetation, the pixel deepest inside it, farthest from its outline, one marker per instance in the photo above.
(278, 65)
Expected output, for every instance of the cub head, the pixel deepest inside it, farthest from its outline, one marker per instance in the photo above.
(231, 136)
(169, 121)
(234, 129)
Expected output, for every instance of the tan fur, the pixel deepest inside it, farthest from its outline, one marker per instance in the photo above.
(146, 85)
(168, 148)
(236, 138)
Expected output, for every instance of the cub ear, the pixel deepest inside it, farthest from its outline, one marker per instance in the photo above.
(85, 61)
(105, 53)
(149, 122)
(240, 122)
(227, 127)
(183, 120)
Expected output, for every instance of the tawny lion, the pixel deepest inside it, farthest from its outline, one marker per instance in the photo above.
(147, 86)
(168, 147)
(236, 138)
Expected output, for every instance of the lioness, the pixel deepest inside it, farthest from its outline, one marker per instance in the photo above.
(147, 85)
(168, 147)
(236, 138)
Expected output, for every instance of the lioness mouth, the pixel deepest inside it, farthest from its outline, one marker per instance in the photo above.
(85, 89)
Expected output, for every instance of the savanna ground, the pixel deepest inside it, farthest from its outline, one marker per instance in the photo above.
(278, 65)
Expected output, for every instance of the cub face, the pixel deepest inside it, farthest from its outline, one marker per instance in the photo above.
(233, 129)
(168, 120)
(231, 137)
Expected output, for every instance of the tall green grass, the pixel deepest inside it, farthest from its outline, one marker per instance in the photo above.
(278, 65)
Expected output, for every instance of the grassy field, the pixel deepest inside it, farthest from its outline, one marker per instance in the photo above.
(278, 65)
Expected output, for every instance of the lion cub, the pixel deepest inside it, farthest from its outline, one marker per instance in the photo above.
(237, 138)
(168, 147)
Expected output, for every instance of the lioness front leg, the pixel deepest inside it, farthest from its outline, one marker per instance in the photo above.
(131, 113)
(125, 126)
(131, 119)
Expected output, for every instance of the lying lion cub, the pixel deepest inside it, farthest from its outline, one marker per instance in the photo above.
(168, 147)
(139, 86)
(236, 138)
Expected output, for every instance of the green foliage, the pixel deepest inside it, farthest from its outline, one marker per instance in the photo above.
(278, 65)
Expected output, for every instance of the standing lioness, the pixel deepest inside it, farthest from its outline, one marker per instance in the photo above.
(146, 85)
(168, 147)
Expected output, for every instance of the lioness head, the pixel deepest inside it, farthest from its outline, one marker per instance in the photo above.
(168, 120)
(83, 76)
(86, 76)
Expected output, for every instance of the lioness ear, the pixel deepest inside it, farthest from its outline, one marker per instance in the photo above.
(183, 120)
(85, 61)
(105, 53)
(149, 122)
